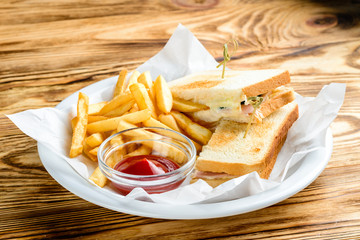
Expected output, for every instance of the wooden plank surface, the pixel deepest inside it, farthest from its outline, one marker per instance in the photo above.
(48, 50)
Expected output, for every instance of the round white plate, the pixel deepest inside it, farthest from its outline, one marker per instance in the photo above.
(300, 176)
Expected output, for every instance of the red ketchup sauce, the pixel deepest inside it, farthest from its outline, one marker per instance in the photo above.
(147, 165)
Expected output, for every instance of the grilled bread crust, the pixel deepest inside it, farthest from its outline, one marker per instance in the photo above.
(228, 152)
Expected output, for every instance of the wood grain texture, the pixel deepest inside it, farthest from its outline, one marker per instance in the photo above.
(50, 49)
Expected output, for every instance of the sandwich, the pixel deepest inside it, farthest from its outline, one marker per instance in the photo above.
(229, 155)
(230, 98)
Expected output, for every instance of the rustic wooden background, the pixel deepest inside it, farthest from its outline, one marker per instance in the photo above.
(49, 49)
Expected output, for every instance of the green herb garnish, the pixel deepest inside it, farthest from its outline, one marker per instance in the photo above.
(227, 56)
(255, 103)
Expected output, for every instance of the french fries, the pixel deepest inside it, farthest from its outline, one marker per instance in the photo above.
(169, 121)
(142, 150)
(117, 140)
(92, 119)
(138, 102)
(134, 108)
(120, 110)
(112, 123)
(145, 78)
(98, 178)
(94, 151)
(87, 151)
(151, 122)
(162, 148)
(163, 95)
(94, 140)
(196, 131)
(116, 102)
(124, 125)
(182, 105)
(95, 108)
(133, 79)
(142, 98)
(120, 86)
(155, 123)
(79, 131)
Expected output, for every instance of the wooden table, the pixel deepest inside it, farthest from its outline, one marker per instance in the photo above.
(50, 49)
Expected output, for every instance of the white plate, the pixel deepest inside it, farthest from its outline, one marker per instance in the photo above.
(299, 177)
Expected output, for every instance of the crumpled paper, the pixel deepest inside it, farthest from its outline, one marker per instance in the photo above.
(184, 54)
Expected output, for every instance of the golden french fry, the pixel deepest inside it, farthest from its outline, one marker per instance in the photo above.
(86, 150)
(115, 158)
(134, 108)
(198, 146)
(138, 133)
(94, 140)
(118, 100)
(164, 99)
(137, 117)
(112, 123)
(98, 178)
(133, 79)
(79, 131)
(194, 130)
(120, 86)
(94, 151)
(164, 149)
(116, 140)
(145, 78)
(169, 151)
(119, 154)
(155, 123)
(121, 110)
(73, 122)
(151, 122)
(142, 98)
(182, 105)
(92, 119)
(169, 121)
(142, 150)
(95, 108)
(103, 126)
(131, 148)
(124, 125)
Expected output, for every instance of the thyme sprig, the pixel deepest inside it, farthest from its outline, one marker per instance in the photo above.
(255, 103)
(227, 56)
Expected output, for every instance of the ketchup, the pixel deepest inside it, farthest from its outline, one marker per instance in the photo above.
(146, 165)
(149, 165)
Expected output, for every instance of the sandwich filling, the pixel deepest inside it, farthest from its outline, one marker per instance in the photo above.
(241, 110)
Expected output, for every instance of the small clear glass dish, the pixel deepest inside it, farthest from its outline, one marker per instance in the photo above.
(117, 153)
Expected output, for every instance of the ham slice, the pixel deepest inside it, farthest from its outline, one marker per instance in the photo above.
(246, 109)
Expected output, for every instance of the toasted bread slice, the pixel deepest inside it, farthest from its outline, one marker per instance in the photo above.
(229, 152)
(215, 179)
(276, 99)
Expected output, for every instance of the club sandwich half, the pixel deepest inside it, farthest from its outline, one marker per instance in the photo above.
(228, 154)
(230, 98)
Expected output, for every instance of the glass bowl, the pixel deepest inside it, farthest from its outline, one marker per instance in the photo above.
(118, 154)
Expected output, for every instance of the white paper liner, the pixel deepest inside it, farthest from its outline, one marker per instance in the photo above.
(182, 55)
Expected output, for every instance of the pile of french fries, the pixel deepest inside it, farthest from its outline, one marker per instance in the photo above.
(137, 101)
